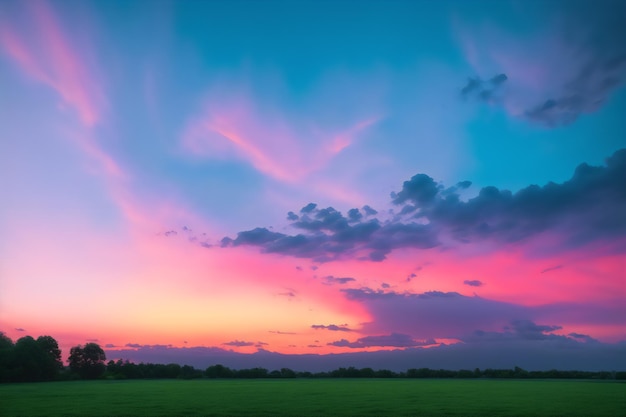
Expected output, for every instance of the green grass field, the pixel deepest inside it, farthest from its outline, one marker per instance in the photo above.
(315, 397)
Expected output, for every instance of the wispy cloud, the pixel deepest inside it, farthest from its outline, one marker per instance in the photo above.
(238, 126)
(561, 70)
(37, 43)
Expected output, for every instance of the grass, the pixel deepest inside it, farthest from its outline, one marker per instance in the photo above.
(315, 397)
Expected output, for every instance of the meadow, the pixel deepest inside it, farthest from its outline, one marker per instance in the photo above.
(315, 397)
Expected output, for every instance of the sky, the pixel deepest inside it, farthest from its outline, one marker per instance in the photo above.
(395, 184)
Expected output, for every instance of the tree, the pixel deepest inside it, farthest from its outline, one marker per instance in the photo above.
(52, 364)
(88, 361)
(6, 358)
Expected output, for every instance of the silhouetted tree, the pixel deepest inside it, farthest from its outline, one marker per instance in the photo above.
(189, 372)
(51, 363)
(88, 361)
(219, 371)
(6, 358)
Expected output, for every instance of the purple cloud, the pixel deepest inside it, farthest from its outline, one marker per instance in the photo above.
(433, 314)
(552, 268)
(588, 207)
(331, 327)
(239, 343)
(473, 283)
(392, 340)
(565, 69)
(336, 280)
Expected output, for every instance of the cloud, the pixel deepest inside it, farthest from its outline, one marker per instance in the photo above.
(487, 91)
(19, 329)
(566, 66)
(527, 329)
(281, 332)
(433, 314)
(239, 123)
(587, 208)
(391, 340)
(331, 327)
(552, 268)
(336, 280)
(473, 283)
(524, 330)
(239, 343)
(35, 39)
(583, 337)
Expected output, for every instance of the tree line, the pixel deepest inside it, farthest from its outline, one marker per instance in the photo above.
(30, 359)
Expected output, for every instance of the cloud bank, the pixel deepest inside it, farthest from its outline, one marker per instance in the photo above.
(586, 209)
(555, 72)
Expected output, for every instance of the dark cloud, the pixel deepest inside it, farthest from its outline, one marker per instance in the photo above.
(354, 215)
(479, 89)
(336, 280)
(579, 59)
(331, 327)
(385, 285)
(433, 314)
(527, 330)
(392, 340)
(109, 346)
(583, 337)
(473, 283)
(170, 233)
(420, 189)
(292, 216)
(239, 343)
(589, 207)
(19, 329)
(586, 92)
(133, 345)
(369, 211)
(308, 208)
(552, 268)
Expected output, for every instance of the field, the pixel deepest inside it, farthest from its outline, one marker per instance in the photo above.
(315, 397)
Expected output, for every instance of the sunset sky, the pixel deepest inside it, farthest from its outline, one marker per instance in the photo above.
(316, 177)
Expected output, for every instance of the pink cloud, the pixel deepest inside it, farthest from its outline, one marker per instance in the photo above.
(286, 151)
(42, 49)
